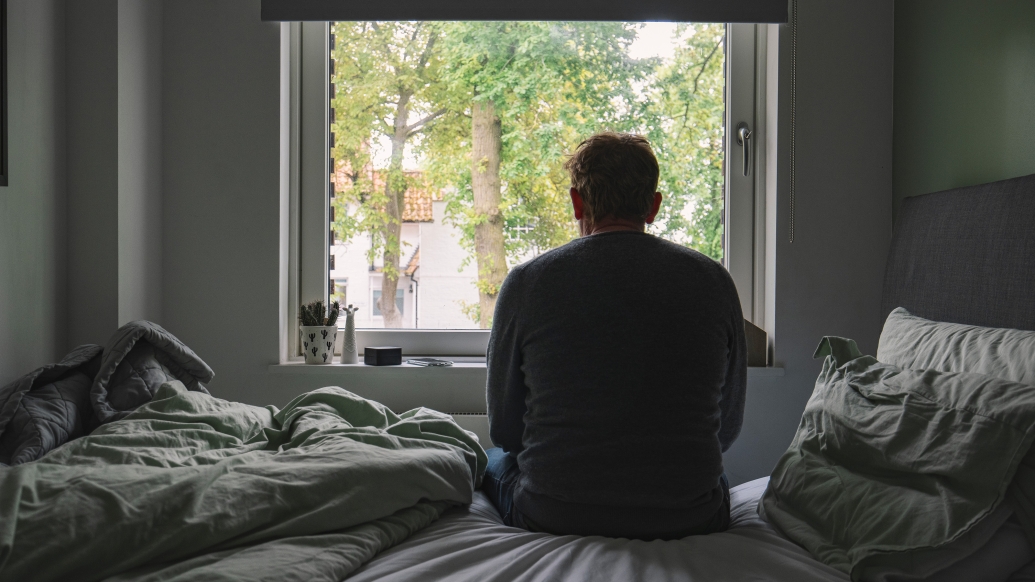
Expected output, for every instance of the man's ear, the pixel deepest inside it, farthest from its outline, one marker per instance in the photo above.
(654, 208)
(576, 203)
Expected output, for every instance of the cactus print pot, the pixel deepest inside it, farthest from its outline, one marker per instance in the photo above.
(318, 343)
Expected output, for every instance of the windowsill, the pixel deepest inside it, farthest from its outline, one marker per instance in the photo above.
(303, 368)
(457, 367)
(767, 372)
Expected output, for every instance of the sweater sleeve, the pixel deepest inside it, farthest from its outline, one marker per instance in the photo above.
(506, 390)
(734, 391)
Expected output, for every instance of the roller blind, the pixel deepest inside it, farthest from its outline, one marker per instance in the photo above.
(621, 10)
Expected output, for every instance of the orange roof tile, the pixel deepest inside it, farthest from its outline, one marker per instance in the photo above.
(414, 263)
(417, 207)
(417, 200)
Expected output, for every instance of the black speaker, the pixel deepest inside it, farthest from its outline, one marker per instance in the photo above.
(382, 356)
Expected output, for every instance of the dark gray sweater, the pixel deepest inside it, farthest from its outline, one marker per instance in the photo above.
(616, 372)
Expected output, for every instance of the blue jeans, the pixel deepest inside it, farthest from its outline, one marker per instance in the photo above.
(501, 476)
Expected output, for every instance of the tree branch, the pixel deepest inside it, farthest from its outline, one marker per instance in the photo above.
(416, 126)
(409, 43)
(686, 119)
(697, 79)
(704, 64)
(385, 127)
(425, 55)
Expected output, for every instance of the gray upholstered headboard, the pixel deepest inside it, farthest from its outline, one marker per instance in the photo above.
(966, 256)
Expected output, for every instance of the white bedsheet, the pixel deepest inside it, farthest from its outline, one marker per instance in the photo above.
(472, 543)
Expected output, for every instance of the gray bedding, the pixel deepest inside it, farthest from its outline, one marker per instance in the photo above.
(897, 474)
(92, 386)
(189, 487)
(48, 406)
(138, 359)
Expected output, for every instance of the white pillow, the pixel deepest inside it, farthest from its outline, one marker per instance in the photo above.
(913, 342)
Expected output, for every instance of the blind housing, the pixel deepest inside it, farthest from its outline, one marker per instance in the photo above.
(762, 11)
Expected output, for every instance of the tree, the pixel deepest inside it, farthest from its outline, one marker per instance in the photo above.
(386, 76)
(521, 93)
(489, 109)
(684, 119)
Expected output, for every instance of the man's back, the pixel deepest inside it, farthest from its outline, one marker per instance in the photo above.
(616, 374)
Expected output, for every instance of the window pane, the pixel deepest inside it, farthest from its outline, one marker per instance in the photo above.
(400, 299)
(449, 140)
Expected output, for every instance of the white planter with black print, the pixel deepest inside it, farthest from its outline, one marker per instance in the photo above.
(318, 343)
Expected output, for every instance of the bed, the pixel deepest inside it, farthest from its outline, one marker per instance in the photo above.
(390, 497)
(473, 544)
(961, 256)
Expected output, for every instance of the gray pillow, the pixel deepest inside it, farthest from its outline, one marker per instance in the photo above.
(916, 343)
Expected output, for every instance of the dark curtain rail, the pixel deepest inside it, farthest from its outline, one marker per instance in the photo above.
(599, 10)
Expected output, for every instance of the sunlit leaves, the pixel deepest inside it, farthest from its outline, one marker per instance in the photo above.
(552, 84)
(377, 67)
(684, 120)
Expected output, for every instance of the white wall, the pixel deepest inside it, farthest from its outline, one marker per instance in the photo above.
(93, 230)
(352, 263)
(828, 281)
(221, 189)
(33, 303)
(443, 284)
(114, 166)
(140, 160)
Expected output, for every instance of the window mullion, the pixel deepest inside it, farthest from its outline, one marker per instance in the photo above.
(739, 229)
(314, 241)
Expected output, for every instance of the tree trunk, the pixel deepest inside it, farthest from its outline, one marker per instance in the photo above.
(488, 231)
(395, 192)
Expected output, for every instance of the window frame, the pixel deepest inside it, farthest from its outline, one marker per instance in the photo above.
(308, 48)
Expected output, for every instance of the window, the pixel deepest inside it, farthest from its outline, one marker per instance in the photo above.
(405, 106)
(400, 302)
(340, 290)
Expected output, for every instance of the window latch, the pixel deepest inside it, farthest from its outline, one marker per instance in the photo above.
(744, 140)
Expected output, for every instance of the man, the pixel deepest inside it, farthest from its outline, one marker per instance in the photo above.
(616, 368)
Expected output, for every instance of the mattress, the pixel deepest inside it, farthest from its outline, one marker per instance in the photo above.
(471, 543)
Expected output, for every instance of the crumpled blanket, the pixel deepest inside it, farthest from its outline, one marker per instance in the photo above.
(138, 359)
(190, 487)
(48, 406)
(64, 401)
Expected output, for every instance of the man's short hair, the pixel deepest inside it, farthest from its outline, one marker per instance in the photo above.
(616, 174)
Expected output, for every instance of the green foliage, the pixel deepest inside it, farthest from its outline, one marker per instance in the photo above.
(381, 69)
(312, 313)
(552, 85)
(472, 311)
(683, 118)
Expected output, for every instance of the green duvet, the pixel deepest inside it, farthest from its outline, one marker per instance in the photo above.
(902, 470)
(191, 487)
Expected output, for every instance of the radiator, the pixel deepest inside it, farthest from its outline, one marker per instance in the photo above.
(475, 422)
